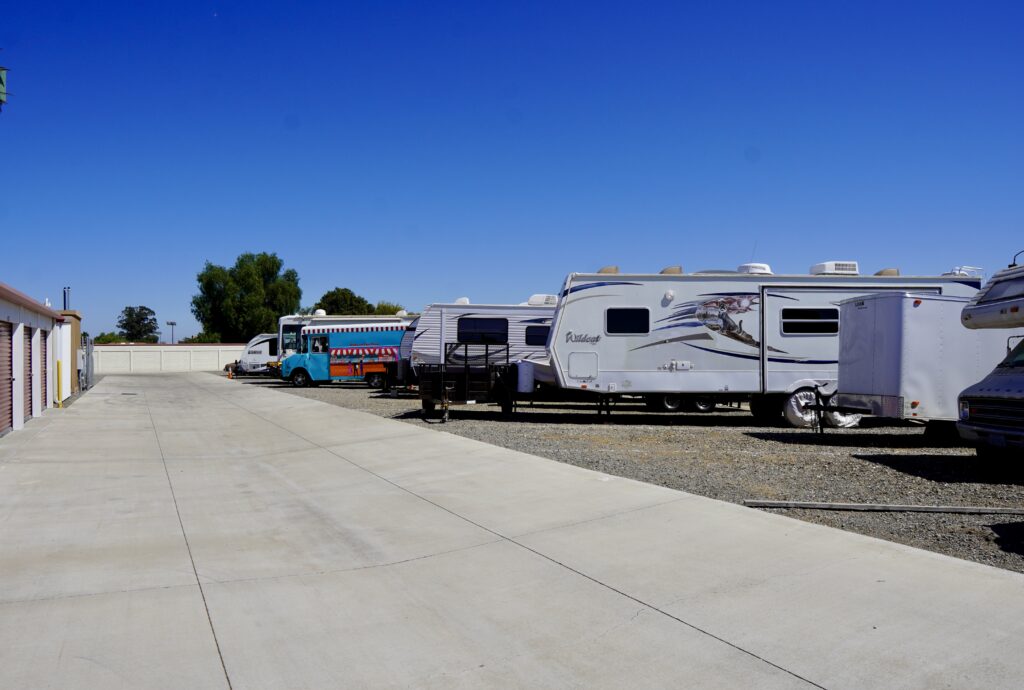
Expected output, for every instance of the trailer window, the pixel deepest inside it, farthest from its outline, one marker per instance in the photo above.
(476, 331)
(290, 337)
(537, 335)
(627, 321)
(273, 347)
(810, 321)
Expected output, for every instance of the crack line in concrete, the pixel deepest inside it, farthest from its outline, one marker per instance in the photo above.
(652, 607)
(188, 547)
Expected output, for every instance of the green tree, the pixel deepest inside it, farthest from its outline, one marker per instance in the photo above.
(203, 337)
(138, 325)
(385, 308)
(343, 301)
(107, 338)
(236, 303)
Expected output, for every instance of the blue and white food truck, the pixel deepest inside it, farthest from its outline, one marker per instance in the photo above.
(350, 352)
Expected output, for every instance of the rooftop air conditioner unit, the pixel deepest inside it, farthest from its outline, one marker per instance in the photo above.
(835, 268)
(542, 300)
(755, 269)
(462, 300)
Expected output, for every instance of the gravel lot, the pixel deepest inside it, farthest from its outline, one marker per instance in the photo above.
(724, 456)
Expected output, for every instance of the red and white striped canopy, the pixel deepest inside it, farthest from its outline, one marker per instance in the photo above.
(338, 351)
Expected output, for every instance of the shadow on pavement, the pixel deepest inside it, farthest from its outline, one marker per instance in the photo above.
(578, 415)
(1009, 536)
(950, 469)
(846, 439)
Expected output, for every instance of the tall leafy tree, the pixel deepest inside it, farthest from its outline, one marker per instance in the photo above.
(385, 308)
(343, 301)
(138, 325)
(236, 303)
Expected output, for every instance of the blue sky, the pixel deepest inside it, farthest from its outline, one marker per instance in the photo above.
(418, 152)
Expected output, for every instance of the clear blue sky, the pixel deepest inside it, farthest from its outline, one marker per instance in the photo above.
(419, 152)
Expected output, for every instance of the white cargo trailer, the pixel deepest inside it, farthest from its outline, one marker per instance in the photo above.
(905, 355)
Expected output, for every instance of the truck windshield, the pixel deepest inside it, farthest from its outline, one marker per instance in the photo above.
(1015, 358)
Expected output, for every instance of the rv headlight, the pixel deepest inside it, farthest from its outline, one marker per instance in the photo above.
(965, 410)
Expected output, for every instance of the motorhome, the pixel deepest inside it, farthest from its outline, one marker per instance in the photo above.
(992, 410)
(747, 335)
(258, 353)
(904, 355)
(459, 347)
(343, 352)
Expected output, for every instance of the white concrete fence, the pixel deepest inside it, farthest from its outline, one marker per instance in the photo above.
(152, 359)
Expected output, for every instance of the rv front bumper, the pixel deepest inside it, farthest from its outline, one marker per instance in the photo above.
(992, 422)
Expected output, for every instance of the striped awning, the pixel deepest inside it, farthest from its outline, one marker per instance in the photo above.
(340, 351)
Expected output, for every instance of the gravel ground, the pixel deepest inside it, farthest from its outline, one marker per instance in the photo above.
(725, 456)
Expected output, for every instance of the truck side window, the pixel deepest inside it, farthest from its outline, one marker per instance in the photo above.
(273, 347)
(319, 343)
(627, 321)
(810, 321)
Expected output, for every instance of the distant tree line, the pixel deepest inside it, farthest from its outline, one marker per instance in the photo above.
(234, 304)
(135, 325)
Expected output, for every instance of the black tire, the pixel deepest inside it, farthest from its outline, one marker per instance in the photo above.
(664, 403)
(766, 410)
(428, 405)
(300, 378)
(375, 380)
(703, 405)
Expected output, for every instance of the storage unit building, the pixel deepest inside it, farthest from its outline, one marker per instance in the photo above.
(27, 360)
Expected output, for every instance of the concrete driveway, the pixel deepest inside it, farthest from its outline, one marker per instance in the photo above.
(187, 531)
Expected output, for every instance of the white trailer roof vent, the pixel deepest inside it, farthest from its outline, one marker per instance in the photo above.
(755, 269)
(543, 300)
(672, 271)
(462, 300)
(888, 272)
(320, 312)
(608, 269)
(835, 268)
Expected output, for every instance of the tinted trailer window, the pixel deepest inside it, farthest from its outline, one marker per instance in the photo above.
(476, 331)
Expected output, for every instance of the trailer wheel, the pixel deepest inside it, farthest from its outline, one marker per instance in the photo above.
(664, 403)
(797, 410)
(703, 405)
(375, 380)
(765, 409)
(300, 379)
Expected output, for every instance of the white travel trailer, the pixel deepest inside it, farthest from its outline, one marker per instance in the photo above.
(719, 335)
(992, 410)
(905, 356)
(462, 352)
(259, 352)
(448, 333)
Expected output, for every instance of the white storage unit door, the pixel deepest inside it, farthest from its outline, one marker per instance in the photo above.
(27, 378)
(6, 403)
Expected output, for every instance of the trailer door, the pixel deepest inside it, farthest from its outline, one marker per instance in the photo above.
(800, 336)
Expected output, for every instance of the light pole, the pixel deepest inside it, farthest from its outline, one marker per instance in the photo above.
(172, 324)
